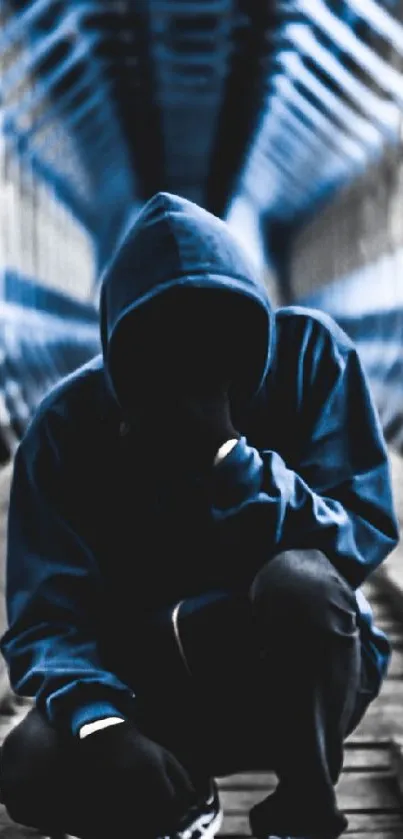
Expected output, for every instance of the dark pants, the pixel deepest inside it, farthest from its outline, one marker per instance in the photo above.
(277, 681)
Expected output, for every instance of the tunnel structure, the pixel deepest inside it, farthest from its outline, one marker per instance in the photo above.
(284, 118)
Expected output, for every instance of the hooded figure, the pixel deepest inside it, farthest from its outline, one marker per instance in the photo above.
(192, 516)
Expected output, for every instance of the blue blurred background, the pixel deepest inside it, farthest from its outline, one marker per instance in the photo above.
(285, 118)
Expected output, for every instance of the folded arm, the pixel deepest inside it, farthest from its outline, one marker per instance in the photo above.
(336, 499)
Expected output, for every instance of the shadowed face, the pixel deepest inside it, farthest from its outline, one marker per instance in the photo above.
(183, 344)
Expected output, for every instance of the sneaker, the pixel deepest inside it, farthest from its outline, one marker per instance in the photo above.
(203, 821)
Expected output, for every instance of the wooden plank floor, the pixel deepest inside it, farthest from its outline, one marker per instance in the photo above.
(368, 789)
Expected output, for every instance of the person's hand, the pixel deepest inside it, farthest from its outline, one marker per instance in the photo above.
(147, 782)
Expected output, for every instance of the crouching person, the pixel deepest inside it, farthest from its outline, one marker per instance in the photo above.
(192, 516)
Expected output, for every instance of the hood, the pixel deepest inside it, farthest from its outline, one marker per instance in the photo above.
(174, 243)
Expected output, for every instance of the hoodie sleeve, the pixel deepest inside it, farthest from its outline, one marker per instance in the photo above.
(52, 586)
(337, 498)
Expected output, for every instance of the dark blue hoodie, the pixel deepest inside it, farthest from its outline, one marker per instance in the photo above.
(101, 534)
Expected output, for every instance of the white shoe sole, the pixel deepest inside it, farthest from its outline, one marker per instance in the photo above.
(209, 832)
(215, 826)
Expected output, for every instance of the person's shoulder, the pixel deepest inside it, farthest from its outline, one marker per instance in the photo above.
(75, 389)
(74, 400)
(312, 324)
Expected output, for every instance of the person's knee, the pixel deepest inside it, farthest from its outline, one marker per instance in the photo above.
(28, 753)
(302, 588)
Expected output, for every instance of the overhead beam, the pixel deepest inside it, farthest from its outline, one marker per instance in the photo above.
(386, 77)
(383, 113)
(369, 135)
